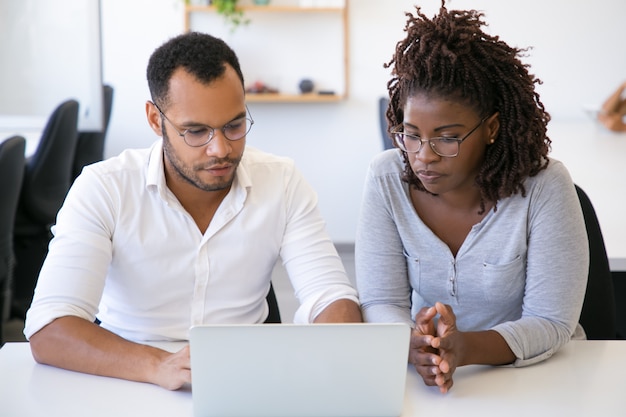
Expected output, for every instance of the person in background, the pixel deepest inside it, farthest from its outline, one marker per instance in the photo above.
(187, 232)
(613, 112)
(468, 231)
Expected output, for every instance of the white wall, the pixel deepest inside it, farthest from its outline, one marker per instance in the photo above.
(577, 53)
(50, 52)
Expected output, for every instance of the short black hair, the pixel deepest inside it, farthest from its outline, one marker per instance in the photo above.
(200, 54)
(451, 57)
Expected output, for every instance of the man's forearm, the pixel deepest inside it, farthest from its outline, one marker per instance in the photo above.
(79, 345)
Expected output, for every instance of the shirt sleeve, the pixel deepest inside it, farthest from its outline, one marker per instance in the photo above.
(381, 270)
(72, 277)
(308, 254)
(556, 270)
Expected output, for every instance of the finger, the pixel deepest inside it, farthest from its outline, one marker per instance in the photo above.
(444, 382)
(446, 313)
(428, 373)
(425, 314)
(429, 380)
(424, 320)
(418, 357)
(419, 340)
(444, 366)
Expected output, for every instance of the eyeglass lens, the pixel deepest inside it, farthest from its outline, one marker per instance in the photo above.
(441, 146)
(234, 130)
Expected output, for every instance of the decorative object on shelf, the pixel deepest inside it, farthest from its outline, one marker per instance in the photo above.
(279, 81)
(306, 86)
(232, 14)
(259, 87)
(261, 2)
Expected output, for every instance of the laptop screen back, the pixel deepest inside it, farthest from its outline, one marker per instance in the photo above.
(289, 370)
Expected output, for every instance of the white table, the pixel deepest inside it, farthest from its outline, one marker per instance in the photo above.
(585, 378)
(596, 159)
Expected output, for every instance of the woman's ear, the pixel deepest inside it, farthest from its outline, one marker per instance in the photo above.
(154, 118)
(493, 127)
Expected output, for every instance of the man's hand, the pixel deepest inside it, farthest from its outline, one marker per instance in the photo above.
(98, 351)
(174, 370)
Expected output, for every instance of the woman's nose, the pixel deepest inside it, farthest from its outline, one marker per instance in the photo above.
(426, 153)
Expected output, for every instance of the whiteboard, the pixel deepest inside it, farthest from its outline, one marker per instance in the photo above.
(51, 52)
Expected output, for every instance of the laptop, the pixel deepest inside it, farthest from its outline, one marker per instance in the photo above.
(294, 370)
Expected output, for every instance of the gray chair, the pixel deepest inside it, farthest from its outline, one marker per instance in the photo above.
(383, 104)
(11, 174)
(90, 146)
(47, 179)
(598, 315)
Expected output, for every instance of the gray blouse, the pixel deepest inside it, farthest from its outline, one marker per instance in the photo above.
(522, 271)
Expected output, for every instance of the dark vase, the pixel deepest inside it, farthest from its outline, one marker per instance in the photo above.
(306, 86)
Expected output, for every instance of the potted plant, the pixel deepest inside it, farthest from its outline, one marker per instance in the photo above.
(232, 14)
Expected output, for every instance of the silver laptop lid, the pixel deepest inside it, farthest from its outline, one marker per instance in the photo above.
(289, 370)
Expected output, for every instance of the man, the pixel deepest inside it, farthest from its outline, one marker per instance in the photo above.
(187, 232)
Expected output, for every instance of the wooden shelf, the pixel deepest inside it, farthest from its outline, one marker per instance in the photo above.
(270, 8)
(292, 98)
(288, 9)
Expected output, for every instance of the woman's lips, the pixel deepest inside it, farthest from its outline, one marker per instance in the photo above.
(428, 176)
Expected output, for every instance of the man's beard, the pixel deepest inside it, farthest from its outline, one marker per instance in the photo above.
(189, 174)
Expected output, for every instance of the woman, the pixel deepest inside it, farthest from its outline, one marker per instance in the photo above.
(469, 232)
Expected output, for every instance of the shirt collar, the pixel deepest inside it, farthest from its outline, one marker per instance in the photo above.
(155, 178)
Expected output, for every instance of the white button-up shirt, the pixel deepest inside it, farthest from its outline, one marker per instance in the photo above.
(126, 251)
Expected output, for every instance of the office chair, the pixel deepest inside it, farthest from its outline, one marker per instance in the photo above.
(11, 174)
(272, 302)
(47, 179)
(90, 146)
(383, 103)
(598, 313)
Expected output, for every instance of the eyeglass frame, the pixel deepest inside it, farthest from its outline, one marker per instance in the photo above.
(212, 129)
(394, 132)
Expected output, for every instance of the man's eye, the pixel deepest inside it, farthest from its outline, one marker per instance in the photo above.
(236, 124)
(200, 131)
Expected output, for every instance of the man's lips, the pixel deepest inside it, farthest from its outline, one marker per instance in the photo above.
(219, 169)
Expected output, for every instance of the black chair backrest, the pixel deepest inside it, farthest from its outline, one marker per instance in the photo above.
(598, 314)
(48, 171)
(272, 302)
(11, 174)
(90, 146)
(383, 103)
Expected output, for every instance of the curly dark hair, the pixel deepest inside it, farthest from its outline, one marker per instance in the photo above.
(200, 54)
(451, 57)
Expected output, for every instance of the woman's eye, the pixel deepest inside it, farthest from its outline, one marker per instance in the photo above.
(448, 140)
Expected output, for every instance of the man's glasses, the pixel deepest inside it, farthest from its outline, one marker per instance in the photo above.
(201, 135)
(448, 147)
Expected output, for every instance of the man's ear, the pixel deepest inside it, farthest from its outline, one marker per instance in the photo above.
(154, 118)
